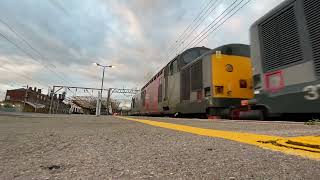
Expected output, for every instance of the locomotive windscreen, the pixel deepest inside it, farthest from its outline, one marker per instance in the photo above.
(234, 50)
(193, 54)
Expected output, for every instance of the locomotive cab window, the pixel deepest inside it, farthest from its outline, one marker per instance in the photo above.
(229, 51)
(173, 67)
(207, 92)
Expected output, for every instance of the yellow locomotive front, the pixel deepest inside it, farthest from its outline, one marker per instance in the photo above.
(231, 76)
(216, 82)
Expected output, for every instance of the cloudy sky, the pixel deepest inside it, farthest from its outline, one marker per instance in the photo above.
(55, 42)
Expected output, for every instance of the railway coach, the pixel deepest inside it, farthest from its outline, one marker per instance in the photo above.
(199, 81)
(285, 50)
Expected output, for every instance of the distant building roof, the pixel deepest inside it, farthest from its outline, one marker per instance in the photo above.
(20, 89)
(36, 105)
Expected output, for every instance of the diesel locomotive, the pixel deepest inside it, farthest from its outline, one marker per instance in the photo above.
(199, 81)
(285, 51)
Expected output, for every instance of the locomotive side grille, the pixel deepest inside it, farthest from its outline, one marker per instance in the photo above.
(270, 47)
(311, 8)
(280, 37)
(196, 76)
(185, 84)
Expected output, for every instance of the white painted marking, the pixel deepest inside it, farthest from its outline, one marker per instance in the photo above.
(312, 92)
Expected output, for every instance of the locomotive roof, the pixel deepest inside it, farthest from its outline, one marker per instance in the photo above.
(228, 49)
(188, 50)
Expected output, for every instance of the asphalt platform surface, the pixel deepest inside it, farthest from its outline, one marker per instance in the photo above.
(39, 146)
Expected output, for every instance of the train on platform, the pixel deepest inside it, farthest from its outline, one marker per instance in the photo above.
(199, 81)
(278, 75)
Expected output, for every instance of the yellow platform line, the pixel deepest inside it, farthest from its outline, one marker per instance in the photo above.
(259, 140)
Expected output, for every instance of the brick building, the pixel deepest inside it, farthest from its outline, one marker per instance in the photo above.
(32, 100)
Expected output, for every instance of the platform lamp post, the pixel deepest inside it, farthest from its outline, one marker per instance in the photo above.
(99, 100)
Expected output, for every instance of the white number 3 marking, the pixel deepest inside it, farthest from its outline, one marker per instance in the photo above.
(312, 92)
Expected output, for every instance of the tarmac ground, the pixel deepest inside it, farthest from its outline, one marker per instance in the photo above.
(40, 146)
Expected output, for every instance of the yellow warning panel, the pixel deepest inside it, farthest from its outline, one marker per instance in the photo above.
(232, 77)
(275, 143)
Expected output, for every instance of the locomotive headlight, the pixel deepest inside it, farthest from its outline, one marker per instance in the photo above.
(274, 81)
(256, 92)
(210, 102)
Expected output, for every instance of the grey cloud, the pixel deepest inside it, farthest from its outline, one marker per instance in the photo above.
(133, 33)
